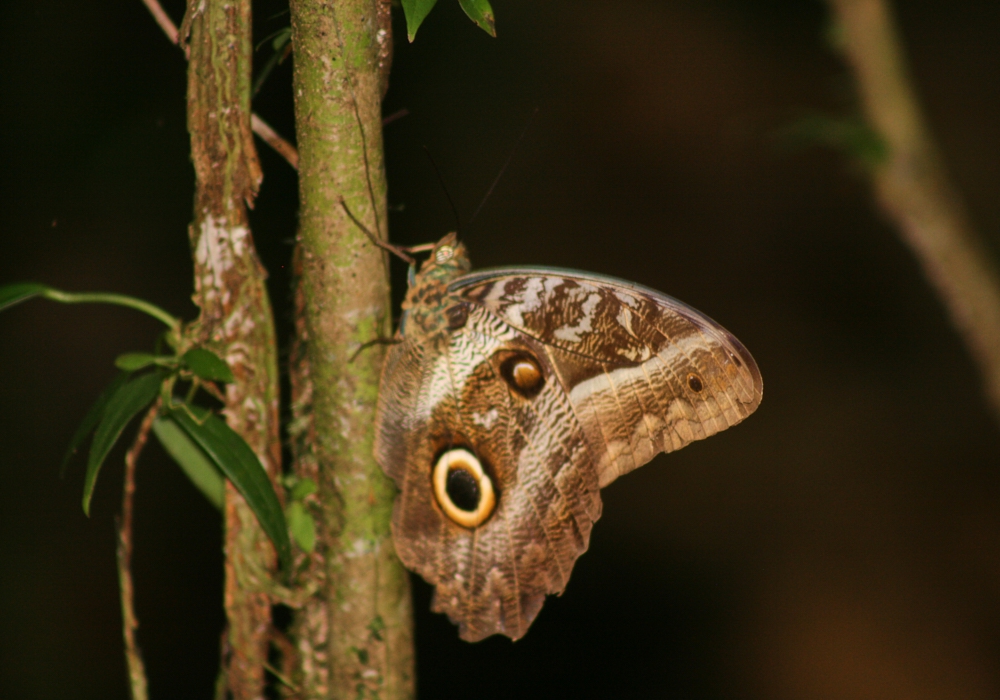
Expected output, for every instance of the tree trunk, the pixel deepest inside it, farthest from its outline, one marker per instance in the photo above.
(236, 319)
(354, 637)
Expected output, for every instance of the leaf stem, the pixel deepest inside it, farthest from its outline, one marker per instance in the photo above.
(109, 298)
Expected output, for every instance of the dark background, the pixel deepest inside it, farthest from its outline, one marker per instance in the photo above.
(843, 543)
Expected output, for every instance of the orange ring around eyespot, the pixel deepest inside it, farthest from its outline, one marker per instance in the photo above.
(461, 458)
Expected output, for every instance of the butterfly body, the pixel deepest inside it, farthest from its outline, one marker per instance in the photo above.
(512, 398)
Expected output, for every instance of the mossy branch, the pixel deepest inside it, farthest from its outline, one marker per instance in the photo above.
(355, 637)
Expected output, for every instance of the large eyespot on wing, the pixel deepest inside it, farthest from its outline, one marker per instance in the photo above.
(479, 395)
(645, 372)
(463, 488)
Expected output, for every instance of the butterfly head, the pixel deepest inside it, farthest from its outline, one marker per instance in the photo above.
(448, 260)
(425, 304)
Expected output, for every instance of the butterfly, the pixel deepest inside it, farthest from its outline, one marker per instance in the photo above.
(511, 397)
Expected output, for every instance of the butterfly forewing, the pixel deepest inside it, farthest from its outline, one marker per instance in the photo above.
(645, 372)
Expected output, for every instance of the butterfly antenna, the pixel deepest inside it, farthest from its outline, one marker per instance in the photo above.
(444, 186)
(395, 250)
(510, 157)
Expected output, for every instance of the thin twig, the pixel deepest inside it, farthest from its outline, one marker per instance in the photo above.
(133, 656)
(914, 189)
(259, 126)
(398, 114)
(162, 19)
(272, 139)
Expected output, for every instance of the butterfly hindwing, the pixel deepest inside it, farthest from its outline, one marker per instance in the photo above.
(493, 578)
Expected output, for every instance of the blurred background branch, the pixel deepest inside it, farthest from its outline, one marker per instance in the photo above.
(913, 188)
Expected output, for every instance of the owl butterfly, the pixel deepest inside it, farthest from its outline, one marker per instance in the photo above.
(512, 397)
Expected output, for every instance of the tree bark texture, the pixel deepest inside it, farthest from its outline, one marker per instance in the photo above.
(913, 187)
(354, 637)
(236, 320)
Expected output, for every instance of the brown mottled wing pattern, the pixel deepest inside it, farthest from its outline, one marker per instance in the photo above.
(645, 373)
(444, 392)
(629, 372)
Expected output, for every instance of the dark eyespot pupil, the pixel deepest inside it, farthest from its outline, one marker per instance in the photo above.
(694, 382)
(463, 490)
(736, 360)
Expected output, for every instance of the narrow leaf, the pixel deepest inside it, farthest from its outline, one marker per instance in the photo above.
(90, 420)
(481, 13)
(16, 293)
(302, 526)
(416, 11)
(234, 457)
(132, 361)
(199, 469)
(851, 136)
(129, 399)
(283, 36)
(207, 365)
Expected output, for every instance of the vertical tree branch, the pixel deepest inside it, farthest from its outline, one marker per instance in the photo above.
(236, 318)
(138, 685)
(355, 639)
(913, 187)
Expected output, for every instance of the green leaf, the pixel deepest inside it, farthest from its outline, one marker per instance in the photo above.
(303, 488)
(481, 13)
(416, 11)
(282, 37)
(302, 526)
(90, 420)
(132, 361)
(123, 404)
(16, 293)
(207, 365)
(199, 469)
(852, 136)
(234, 457)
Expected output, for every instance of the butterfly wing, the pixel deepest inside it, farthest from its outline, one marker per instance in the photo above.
(623, 373)
(445, 392)
(645, 373)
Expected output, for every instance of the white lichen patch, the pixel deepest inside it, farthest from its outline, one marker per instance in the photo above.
(361, 547)
(217, 249)
(239, 324)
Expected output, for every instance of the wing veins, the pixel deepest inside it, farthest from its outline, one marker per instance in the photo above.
(530, 444)
(475, 531)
